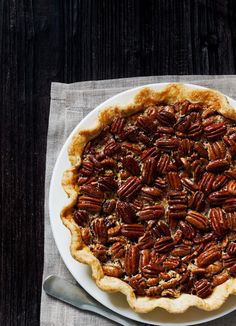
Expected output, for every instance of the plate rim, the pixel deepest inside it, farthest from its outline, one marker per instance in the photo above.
(63, 254)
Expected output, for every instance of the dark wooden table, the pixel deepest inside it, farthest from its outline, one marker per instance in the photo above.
(44, 41)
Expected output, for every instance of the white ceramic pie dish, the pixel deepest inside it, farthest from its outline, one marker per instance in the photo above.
(58, 199)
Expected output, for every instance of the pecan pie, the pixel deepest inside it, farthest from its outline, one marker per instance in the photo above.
(152, 199)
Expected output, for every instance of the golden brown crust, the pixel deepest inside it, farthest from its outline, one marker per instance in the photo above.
(146, 97)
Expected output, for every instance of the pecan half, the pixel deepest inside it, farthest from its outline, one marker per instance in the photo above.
(131, 261)
(80, 217)
(216, 150)
(189, 184)
(167, 144)
(151, 213)
(185, 147)
(219, 182)
(117, 250)
(231, 249)
(218, 221)
(195, 130)
(203, 288)
(215, 131)
(171, 263)
(163, 163)
(86, 168)
(166, 118)
(231, 144)
(208, 257)
(131, 164)
(138, 283)
(100, 230)
(218, 197)
(218, 166)
(146, 241)
(152, 191)
(107, 183)
(100, 251)
(181, 250)
(231, 219)
(132, 231)
(187, 229)
(144, 258)
(201, 150)
(160, 229)
(91, 191)
(118, 125)
(196, 219)
(112, 270)
(174, 181)
(149, 170)
(228, 261)
(146, 124)
(183, 124)
(206, 182)
(125, 212)
(109, 207)
(164, 244)
(231, 187)
(220, 278)
(129, 188)
(90, 204)
(197, 201)
(230, 205)
(151, 152)
(111, 148)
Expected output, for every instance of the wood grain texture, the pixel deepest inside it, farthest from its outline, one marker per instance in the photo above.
(44, 41)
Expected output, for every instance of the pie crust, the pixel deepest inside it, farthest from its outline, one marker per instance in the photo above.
(81, 252)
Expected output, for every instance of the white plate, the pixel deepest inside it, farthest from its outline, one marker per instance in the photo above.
(116, 301)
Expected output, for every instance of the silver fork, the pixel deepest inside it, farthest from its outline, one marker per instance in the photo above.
(76, 296)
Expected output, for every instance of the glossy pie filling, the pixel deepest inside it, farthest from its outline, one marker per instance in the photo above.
(157, 202)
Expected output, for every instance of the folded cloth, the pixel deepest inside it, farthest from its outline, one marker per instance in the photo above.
(69, 104)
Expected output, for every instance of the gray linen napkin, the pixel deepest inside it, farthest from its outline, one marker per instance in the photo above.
(69, 104)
